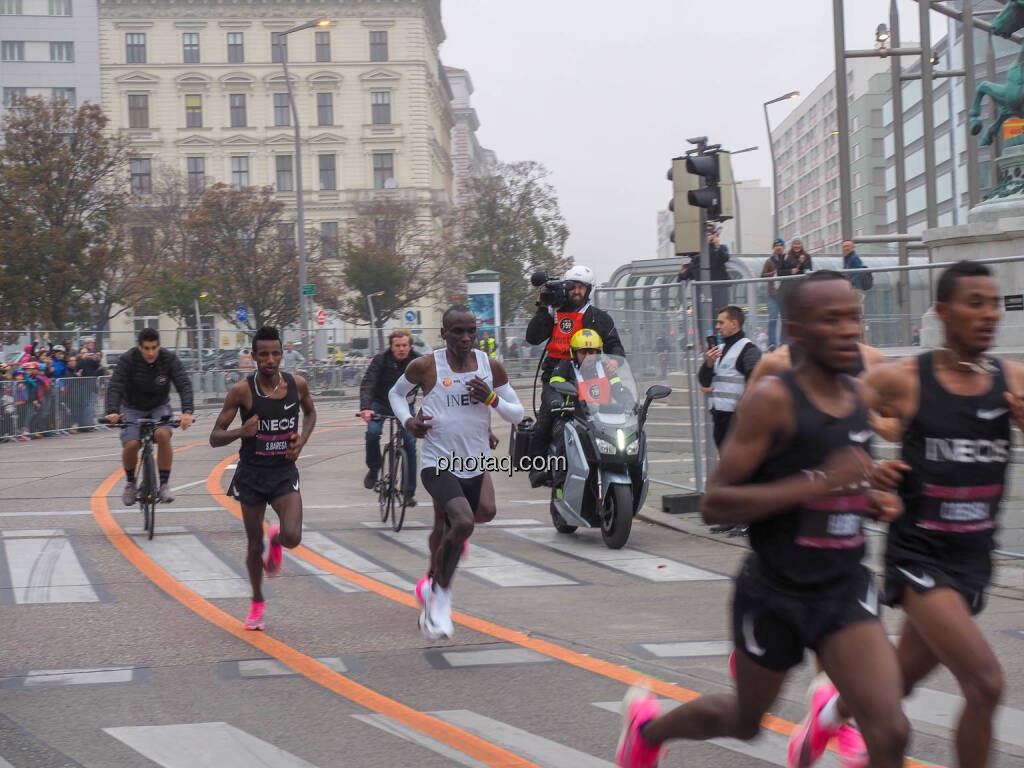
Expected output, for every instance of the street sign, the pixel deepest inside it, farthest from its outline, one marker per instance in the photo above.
(410, 316)
(308, 289)
(242, 314)
(1014, 303)
(1013, 127)
(321, 317)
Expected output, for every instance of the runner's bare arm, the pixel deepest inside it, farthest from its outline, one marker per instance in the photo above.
(770, 365)
(296, 442)
(891, 390)
(221, 434)
(1015, 396)
(763, 422)
(417, 373)
(503, 398)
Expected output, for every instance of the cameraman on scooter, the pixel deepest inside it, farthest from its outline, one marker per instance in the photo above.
(562, 310)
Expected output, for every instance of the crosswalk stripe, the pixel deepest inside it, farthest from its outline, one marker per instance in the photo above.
(250, 668)
(395, 728)
(545, 752)
(631, 561)
(44, 569)
(689, 649)
(493, 656)
(488, 565)
(508, 522)
(336, 583)
(769, 746)
(943, 709)
(195, 565)
(52, 678)
(190, 744)
(345, 557)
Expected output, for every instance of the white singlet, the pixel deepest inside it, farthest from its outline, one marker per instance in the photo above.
(460, 427)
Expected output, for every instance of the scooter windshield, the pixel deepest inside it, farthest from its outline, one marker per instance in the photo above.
(607, 388)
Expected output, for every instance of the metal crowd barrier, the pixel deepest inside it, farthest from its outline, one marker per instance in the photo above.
(58, 406)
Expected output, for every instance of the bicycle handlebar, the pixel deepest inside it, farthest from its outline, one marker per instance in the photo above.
(376, 416)
(161, 422)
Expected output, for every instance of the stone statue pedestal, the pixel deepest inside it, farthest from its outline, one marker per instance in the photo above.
(994, 228)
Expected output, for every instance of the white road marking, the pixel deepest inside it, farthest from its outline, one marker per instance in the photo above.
(943, 709)
(488, 565)
(402, 731)
(689, 649)
(272, 667)
(199, 568)
(41, 678)
(639, 564)
(122, 511)
(187, 485)
(478, 658)
(510, 522)
(204, 744)
(328, 578)
(346, 558)
(545, 752)
(46, 570)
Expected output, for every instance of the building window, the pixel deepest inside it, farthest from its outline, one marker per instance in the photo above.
(284, 173)
(380, 108)
(325, 109)
(138, 110)
(190, 47)
(64, 51)
(384, 231)
(12, 50)
(383, 170)
(281, 116)
(236, 48)
(286, 235)
(196, 174)
(10, 8)
(142, 177)
(236, 101)
(328, 177)
(193, 110)
(135, 47)
(152, 321)
(329, 238)
(378, 46)
(10, 94)
(858, 208)
(239, 172)
(60, 7)
(323, 46)
(278, 47)
(64, 94)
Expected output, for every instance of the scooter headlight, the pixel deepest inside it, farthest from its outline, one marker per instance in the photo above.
(620, 438)
(633, 448)
(605, 447)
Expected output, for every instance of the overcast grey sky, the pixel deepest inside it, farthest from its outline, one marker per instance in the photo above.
(605, 93)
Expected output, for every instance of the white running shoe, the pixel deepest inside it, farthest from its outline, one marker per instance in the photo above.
(441, 610)
(427, 626)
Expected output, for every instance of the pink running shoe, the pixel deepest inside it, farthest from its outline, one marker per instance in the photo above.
(254, 620)
(275, 553)
(422, 586)
(638, 708)
(853, 752)
(465, 551)
(732, 663)
(810, 739)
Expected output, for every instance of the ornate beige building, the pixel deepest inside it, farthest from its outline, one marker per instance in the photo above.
(197, 85)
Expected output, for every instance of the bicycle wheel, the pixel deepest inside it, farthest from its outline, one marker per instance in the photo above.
(384, 485)
(148, 494)
(398, 485)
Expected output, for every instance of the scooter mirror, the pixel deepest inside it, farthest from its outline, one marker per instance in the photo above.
(657, 391)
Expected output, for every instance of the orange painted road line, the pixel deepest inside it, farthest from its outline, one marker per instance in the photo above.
(465, 742)
(553, 650)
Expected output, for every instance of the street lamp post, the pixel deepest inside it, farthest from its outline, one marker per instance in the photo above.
(300, 213)
(199, 332)
(771, 151)
(373, 322)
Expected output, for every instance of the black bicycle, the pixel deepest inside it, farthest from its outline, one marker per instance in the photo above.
(148, 488)
(392, 479)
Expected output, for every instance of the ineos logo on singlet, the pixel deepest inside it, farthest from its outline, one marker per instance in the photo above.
(458, 400)
(963, 451)
(278, 425)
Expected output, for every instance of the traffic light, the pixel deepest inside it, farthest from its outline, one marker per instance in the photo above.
(686, 232)
(716, 194)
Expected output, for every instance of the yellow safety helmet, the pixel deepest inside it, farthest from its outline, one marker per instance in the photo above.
(586, 338)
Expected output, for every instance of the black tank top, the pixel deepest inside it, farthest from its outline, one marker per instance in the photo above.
(796, 353)
(821, 542)
(279, 420)
(958, 447)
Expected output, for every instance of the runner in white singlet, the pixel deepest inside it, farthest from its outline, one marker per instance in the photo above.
(459, 382)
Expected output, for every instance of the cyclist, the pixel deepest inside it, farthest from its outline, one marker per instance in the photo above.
(380, 377)
(140, 388)
(270, 401)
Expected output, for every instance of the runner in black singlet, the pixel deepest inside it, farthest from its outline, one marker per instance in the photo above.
(803, 586)
(955, 406)
(270, 401)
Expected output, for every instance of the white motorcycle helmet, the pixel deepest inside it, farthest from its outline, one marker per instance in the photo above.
(581, 274)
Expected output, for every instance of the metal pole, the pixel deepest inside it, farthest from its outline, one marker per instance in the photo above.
(899, 151)
(199, 341)
(300, 211)
(928, 112)
(842, 122)
(775, 176)
(373, 324)
(696, 401)
(967, 30)
(736, 218)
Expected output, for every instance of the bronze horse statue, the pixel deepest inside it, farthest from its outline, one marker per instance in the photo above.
(1008, 96)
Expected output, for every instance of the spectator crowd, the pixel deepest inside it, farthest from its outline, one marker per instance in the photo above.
(51, 390)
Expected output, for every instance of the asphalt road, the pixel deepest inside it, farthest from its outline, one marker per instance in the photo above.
(120, 651)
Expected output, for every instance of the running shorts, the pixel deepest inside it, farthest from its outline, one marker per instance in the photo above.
(260, 485)
(443, 486)
(923, 575)
(773, 626)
